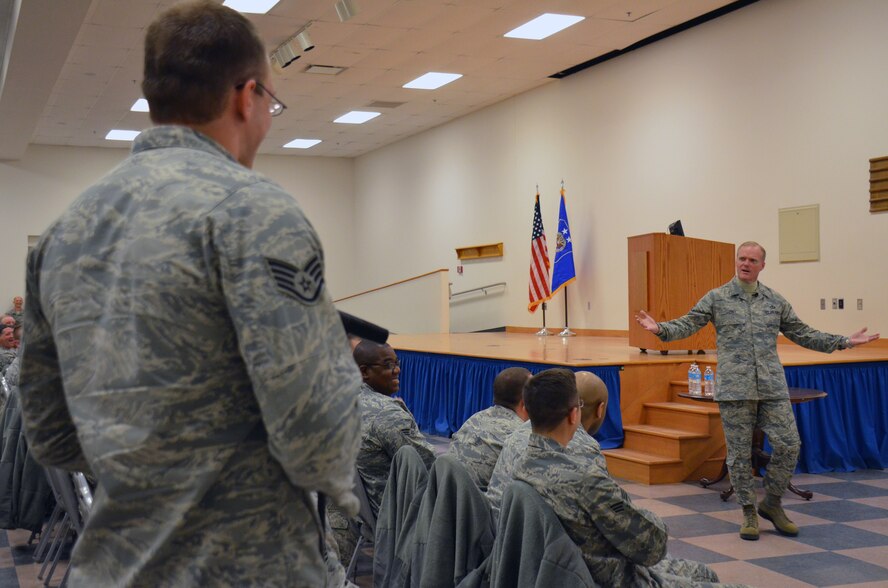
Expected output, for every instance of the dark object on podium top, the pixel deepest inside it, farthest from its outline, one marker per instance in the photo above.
(675, 229)
(363, 329)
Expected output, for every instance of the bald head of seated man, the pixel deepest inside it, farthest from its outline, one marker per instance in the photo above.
(593, 392)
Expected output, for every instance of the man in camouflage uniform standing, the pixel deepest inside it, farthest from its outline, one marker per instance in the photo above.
(593, 392)
(181, 345)
(752, 391)
(622, 544)
(479, 441)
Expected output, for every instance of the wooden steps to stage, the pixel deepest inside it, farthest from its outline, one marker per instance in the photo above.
(676, 440)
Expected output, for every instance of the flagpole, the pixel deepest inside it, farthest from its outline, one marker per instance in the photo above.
(566, 332)
(563, 212)
(539, 265)
(544, 332)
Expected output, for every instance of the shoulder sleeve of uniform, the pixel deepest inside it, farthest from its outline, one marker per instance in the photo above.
(271, 270)
(396, 427)
(800, 333)
(635, 532)
(693, 321)
(49, 429)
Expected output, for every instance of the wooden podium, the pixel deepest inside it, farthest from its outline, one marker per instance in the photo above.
(667, 276)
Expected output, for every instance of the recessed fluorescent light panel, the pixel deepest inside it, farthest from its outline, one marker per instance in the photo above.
(140, 105)
(432, 80)
(302, 143)
(121, 135)
(356, 117)
(544, 26)
(251, 6)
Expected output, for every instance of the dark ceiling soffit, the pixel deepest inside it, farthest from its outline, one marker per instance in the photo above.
(728, 8)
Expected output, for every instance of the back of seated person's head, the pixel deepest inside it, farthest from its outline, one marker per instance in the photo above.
(593, 391)
(549, 397)
(508, 387)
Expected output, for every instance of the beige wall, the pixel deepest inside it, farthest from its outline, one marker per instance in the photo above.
(778, 104)
(775, 105)
(37, 189)
(420, 305)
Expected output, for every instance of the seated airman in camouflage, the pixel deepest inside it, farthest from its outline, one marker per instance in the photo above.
(8, 348)
(17, 311)
(622, 545)
(593, 392)
(386, 426)
(478, 442)
(386, 423)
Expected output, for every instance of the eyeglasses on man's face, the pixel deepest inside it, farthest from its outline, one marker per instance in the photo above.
(275, 106)
(387, 365)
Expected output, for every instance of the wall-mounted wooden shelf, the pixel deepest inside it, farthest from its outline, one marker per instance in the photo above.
(879, 184)
(480, 251)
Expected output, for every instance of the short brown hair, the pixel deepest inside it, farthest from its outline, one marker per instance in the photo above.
(508, 386)
(196, 53)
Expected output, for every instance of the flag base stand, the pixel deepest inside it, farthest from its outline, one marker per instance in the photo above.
(567, 333)
(544, 332)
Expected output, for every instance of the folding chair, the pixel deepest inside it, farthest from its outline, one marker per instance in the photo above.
(367, 524)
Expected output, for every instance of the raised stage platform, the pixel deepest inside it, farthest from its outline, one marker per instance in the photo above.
(654, 436)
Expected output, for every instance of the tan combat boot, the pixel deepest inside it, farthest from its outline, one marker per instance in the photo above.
(771, 509)
(749, 530)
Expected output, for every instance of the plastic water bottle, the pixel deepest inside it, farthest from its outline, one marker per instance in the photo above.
(708, 382)
(698, 381)
(694, 380)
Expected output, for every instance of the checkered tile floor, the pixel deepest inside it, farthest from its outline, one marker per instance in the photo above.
(843, 539)
(17, 567)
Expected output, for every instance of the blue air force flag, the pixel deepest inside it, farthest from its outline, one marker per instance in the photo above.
(563, 272)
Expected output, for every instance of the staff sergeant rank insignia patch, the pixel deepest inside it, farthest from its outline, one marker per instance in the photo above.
(302, 284)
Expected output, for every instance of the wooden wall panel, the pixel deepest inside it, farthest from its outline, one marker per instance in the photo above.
(879, 184)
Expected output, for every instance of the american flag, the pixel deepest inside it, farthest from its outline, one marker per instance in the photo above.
(538, 288)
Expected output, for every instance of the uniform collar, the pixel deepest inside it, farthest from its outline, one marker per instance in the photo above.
(542, 442)
(737, 289)
(177, 136)
(504, 410)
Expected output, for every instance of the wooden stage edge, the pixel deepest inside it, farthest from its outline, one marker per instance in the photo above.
(588, 350)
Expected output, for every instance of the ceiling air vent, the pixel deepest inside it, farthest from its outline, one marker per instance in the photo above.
(324, 70)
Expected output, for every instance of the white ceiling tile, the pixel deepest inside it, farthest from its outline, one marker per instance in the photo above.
(385, 59)
(388, 43)
(455, 18)
(632, 10)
